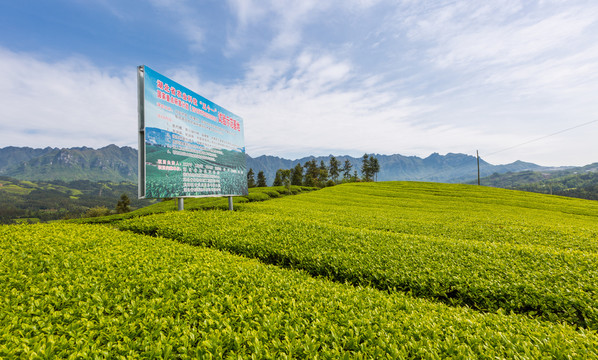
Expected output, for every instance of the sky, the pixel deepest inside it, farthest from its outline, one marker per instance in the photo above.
(514, 80)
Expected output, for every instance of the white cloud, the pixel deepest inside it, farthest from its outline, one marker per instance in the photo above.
(66, 103)
(185, 22)
(519, 42)
(285, 21)
(247, 11)
(312, 107)
(473, 36)
(111, 8)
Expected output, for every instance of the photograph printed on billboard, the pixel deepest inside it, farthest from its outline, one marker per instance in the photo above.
(188, 146)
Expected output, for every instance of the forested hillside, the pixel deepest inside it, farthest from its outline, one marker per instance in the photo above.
(29, 201)
(579, 182)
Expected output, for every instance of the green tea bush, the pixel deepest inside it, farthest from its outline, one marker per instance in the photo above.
(85, 291)
(258, 197)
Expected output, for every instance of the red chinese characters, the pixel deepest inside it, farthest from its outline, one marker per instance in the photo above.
(172, 95)
(229, 121)
(171, 99)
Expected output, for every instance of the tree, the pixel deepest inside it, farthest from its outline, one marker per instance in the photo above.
(334, 170)
(122, 206)
(297, 175)
(311, 173)
(250, 178)
(322, 174)
(370, 167)
(347, 170)
(104, 187)
(286, 178)
(309, 181)
(374, 166)
(278, 178)
(96, 211)
(261, 179)
(365, 168)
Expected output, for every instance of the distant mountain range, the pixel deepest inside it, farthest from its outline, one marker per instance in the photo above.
(110, 163)
(114, 163)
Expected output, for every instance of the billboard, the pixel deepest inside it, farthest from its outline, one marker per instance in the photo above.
(188, 146)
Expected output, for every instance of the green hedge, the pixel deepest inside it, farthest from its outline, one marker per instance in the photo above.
(205, 203)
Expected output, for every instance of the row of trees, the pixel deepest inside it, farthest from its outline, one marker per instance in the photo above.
(312, 174)
(370, 167)
(261, 179)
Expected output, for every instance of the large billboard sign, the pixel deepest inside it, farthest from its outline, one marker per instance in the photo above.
(188, 146)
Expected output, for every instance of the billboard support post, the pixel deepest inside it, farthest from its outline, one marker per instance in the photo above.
(230, 203)
(141, 131)
(181, 203)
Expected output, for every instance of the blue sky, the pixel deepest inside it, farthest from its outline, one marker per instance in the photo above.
(314, 77)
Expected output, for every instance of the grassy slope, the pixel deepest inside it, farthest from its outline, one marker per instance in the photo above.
(485, 248)
(88, 291)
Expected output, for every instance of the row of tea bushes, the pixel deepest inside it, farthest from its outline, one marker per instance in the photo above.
(460, 212)
(88, 291)
(522, 272)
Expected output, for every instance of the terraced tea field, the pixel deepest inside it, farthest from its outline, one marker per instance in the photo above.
(384, 270)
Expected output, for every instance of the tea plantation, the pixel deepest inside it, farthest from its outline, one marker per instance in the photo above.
(366, 270)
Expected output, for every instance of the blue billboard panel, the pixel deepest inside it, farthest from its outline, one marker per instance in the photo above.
(188, 146)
